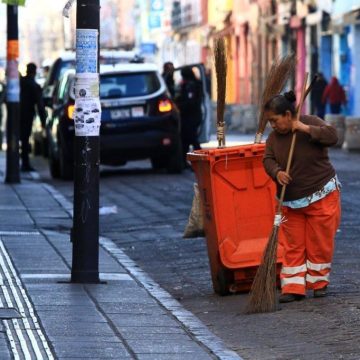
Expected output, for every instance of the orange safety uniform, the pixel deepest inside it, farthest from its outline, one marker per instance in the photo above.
(309, 246)
(311, 204)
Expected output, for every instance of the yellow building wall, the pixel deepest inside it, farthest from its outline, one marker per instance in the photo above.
(231, 73)
(217, 12)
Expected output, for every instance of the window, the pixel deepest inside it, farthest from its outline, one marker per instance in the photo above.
(66, 65)
(128, 85)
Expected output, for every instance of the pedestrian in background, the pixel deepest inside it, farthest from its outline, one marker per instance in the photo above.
(168, 75)
(317, 96)
(335, 95)
(208, 81)
(30, 102)
(311, 206)
(188, 101)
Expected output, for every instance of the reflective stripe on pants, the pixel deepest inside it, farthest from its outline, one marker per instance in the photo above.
(309, 244)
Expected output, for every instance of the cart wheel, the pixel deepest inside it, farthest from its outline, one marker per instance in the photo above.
(225, 278)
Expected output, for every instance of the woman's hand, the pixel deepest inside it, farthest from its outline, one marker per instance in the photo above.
(300, 126)
(283, 178)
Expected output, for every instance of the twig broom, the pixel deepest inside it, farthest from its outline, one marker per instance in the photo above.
(279, 73)
(263, 291)
(194, 227)
(221, 71)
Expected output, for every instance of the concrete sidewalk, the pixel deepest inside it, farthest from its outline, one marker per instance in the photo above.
(44, 316)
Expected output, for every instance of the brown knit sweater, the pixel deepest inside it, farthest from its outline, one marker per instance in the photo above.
(311, 168)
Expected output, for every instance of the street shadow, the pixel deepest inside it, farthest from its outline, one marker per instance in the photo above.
(113, 172)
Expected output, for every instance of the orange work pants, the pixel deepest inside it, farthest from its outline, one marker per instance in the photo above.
(309, 244)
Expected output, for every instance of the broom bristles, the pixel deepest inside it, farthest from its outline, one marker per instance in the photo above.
(221, 70)
(279, 73)
(263, 291)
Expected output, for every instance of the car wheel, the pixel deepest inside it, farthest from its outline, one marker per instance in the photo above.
(225, 278)
(66, 167)
(158, 162)
(45, 148)
(37, 148)
(175, 162)
(53, 165)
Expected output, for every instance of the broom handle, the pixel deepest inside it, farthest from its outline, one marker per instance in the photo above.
(292, 147)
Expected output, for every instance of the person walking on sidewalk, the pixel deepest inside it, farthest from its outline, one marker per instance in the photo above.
(189, 103)
(311, 206)
(168, 76)
(335, 95)
(30, 102)
(317, 94)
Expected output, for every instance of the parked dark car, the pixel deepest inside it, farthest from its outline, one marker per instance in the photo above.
(67, 61)
(63, 63)
(138, 120)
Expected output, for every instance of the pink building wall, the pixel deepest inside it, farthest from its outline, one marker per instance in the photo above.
(296, 25)
(301, 66)
(243, 55)
(254, 51)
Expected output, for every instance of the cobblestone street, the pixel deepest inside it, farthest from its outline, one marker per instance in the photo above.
(152, 213)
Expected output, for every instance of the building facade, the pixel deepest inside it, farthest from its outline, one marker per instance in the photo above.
(324, 35)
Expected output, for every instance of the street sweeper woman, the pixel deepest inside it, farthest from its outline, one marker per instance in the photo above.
(311, 206)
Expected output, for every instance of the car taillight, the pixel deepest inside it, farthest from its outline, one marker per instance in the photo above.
(70, 111)
(165, 105)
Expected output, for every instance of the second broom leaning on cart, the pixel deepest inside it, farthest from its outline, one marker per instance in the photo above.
(311, 206)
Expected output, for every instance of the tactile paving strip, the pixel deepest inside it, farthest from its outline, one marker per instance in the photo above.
(26, 338)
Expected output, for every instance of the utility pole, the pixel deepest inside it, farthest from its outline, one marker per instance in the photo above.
(12, 174)
(85, 232)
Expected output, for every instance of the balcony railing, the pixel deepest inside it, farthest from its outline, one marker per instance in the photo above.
(185, 15)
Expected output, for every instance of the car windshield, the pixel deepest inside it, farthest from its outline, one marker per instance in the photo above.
(66, 65)
(128, 85)
(103, 59)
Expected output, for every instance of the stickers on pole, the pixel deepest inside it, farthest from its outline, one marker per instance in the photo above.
(13, 84)
(67, 7)
(86, 50)
(86, 86)
(87, 114)
(13, 49)
(87, 117)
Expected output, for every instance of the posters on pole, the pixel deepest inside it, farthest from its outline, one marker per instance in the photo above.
(87, 114)
(14, 2)
(67, 7)
(86, 50)
(13, 49)
(13, 84)
(87, 85)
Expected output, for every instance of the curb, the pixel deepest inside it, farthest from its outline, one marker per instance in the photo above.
(190, 322)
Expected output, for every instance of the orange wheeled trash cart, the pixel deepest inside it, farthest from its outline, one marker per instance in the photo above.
(238, 201)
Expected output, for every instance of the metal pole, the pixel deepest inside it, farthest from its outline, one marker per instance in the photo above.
(85, 232)
(12, 174)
